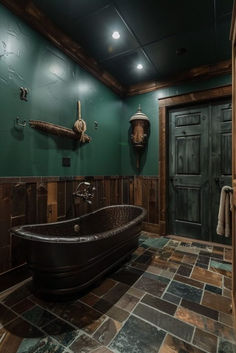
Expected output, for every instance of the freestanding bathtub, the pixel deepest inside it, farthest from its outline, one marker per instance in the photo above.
(67, 257)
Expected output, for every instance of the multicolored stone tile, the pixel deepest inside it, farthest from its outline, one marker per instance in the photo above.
(226, 347)
(205, 323)
(174, 345)
(159, 304)
(206, 276)
(168, 287)
(84, 344)
(223, 268)
(104, 287)
(213, 289)
(156, 243)
(127, 302)
(107, 331)
(165, 322)
(171, 298)
(205, 340)
(217, 302)
(23, 306)
(154, 285)
(189, 281)
(6, 315)
(137, 336)
(38, 316)
(185, 291)
(127, 275)
(80, 315)
(200, 309)
(61, 331)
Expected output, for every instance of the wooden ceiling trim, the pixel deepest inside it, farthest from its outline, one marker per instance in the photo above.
(213, 93)
(29, 12)
(204, 71)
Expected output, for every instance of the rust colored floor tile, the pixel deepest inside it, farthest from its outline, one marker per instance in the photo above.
(107, 331)
(89, 299)
(228, 255)
(23, 305)
(228, 283)
(189, 259)
(205, 324)
(127, 302)
(174, 345)
(176, 257)
(205, 340)
(206, 276)
(226, 319)
(104, 287)
(217, 302)
(218, 250)
(190, 281)
(200, 309)
(227, 293)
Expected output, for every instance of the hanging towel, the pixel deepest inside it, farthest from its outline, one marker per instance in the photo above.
(224, 215)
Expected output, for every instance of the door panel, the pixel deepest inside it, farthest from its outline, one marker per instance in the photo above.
(221, 174)
(188, 180)
(200, 158)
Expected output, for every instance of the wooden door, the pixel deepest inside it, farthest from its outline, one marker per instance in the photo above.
(188, 172)
(200, 157)
(221, 160)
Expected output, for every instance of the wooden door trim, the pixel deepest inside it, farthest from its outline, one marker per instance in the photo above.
(164, 105)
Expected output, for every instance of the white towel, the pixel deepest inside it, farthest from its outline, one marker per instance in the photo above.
(224, 215)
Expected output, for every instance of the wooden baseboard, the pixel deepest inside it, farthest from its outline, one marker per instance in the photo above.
(151, 227)
(210, 243)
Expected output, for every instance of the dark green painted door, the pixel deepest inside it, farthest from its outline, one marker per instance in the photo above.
(221, 159)
(199, 165)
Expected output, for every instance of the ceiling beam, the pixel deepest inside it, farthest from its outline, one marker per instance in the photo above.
(204, 72)
(29, 12)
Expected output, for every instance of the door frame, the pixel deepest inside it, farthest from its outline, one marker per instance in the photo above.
(164, 105)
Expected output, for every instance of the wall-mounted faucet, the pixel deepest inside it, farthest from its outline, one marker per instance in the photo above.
(85, 191)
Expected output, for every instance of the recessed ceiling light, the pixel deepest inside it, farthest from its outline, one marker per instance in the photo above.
(139, 66)
(116, 35)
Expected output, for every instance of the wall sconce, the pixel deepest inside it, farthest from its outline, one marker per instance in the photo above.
(140, 125)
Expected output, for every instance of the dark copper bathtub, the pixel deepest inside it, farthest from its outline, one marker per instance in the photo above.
(64, 262)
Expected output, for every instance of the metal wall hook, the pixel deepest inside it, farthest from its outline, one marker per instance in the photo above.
(23, 93)
(22, 123)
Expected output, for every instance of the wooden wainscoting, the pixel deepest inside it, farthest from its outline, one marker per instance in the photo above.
(49, 199)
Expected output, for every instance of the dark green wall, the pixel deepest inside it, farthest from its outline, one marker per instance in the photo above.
(149, 105)
(55, 84)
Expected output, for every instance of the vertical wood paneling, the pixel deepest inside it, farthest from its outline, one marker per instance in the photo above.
(28, 202)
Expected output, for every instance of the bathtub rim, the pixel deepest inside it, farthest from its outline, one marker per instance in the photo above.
(20, 231)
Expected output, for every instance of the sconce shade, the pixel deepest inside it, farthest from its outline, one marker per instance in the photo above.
(139, 115)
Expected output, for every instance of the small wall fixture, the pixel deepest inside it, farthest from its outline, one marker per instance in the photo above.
(140, 130)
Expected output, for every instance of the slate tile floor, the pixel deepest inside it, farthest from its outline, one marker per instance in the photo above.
(171, 297)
